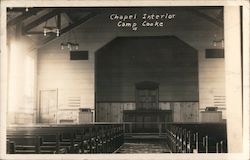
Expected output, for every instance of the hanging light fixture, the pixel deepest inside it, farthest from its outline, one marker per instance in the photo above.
(51, 29)
(218, 43)
(27, 7)
(69, 44)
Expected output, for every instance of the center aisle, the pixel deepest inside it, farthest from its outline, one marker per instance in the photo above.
(144, 147)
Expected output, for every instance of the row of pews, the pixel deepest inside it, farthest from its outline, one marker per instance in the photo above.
(62, 139)
(197, 137)
(107, 138)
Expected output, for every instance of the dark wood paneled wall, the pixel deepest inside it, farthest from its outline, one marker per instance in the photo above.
(166, 60)
(181, 111)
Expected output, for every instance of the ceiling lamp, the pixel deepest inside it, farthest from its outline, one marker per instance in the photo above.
(71, 46)
(218, 43)
(51, 29)
(71, 42)
(27, 8)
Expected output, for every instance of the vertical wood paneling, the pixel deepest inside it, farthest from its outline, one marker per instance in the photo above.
(185, 111)
(164, 106)
(181, 111)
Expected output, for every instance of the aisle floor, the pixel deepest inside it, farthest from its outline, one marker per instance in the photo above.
(143, 148)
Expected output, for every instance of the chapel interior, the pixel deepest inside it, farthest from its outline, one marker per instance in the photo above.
(89, 80)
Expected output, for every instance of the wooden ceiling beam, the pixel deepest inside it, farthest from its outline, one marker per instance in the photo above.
(24, 16)
(207, 17)
(78, 22)
(59, 21)
(68, 28)
(40, 20)
(18, 9)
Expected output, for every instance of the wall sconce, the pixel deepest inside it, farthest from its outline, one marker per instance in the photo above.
(71, 46)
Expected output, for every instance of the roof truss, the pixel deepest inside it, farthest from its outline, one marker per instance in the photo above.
(24, 16)
(216, 21)
(70, 27)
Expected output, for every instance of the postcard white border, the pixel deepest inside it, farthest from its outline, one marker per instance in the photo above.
(106, 3)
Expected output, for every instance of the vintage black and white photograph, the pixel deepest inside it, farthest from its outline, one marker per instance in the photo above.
(124, 80)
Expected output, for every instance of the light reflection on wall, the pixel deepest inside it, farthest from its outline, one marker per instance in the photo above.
(21, 94)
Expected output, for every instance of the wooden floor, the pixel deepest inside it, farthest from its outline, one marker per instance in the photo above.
(144, 143)
(144, 147)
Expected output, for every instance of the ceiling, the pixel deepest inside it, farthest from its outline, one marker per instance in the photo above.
(30, 22)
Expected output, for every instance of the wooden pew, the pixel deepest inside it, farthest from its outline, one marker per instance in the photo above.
(59, 139)
(204, 137)
(28, 144)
